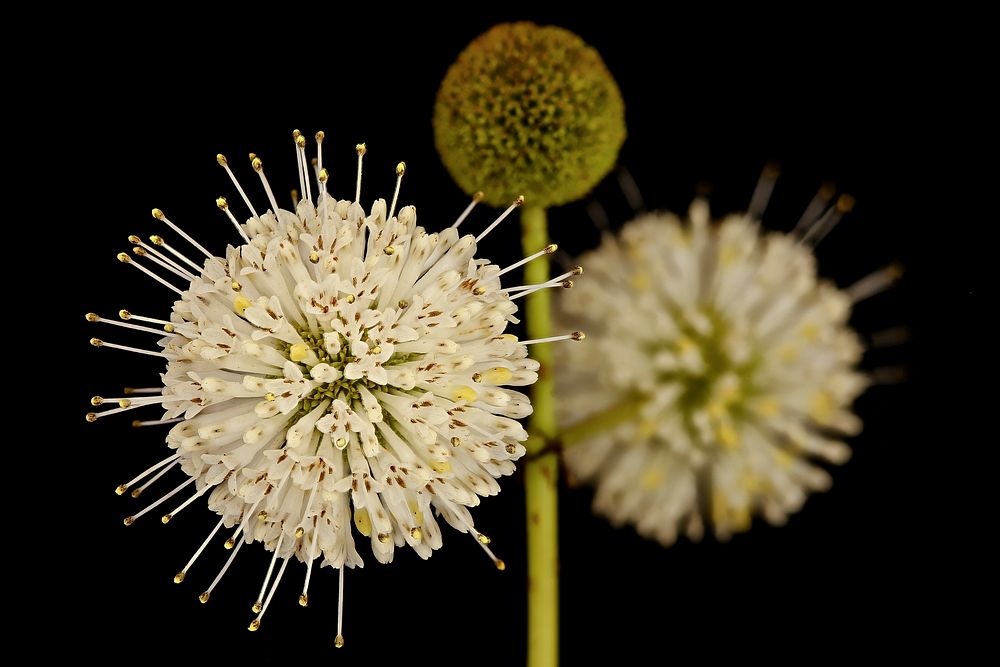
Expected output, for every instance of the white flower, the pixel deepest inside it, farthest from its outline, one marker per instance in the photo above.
(339, 367)
(719, 367)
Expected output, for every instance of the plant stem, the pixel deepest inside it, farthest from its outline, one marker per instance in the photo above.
(541, 472)
(625, 411)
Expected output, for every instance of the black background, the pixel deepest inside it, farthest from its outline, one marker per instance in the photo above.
(705, 104)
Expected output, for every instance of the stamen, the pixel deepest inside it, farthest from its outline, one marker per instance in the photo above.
(319, 150)
(179, 577)
(128, 315)
(361, 149)
(630, 190)
(267, 577)
(322, 176)
(158, 240)
(818, 230)
(94, 317)
(815, 207)
(163, 258)
(400, 170)
(762, 193)
(97, 342)
(299, 160)
(155, 422)
(889, 337)
(277, 580)
(598, 215)
(224, 207)
(158, 214)
(224, 163)
(517, 202)
(304, 598)
(243, 524)
(547, 250)
(139, 251)
(138, 491)
(576, 335)
(300, 144)
(203, 598)
(339, 641)
(876, 282)
(476, 198)
(125, 259)
(170, 515)
(131, 519)
(122, 488)
(258, 166)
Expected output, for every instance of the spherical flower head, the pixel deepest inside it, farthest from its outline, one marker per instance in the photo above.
(339, 376)
(719, 368)
(529, 110)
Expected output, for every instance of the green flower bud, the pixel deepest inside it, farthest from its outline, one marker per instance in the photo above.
(529, 110)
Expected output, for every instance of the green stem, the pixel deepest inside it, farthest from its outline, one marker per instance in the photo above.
(541, 472)
(596, 424)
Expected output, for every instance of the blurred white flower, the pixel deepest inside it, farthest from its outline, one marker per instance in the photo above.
(338, 367)
(718, 368)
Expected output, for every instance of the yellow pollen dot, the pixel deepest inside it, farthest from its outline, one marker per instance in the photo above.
(299, 532)
(821, 407)
(441, 466)
(350, 298)
(91, 417)
(498, 375)
(254, 625)
(363, 522)
(179, 577)
(303, 600)
(500, 565)
(377, 349)
(221, 159)
(728, 436)
(240, 305)
(158, 214)
(783, 458)
(124, 314)
(463, 393)
(262, 516)
(129, 520)
(483, 539)
(96, 342)
(339, 641)
(479, 291)
(269, 396)
(418, 516)
(236, 286)
(92, 317)
(124, 403)
(403, 304)
(166, 518)
(389, 250)
(298, 352)
(203, 598)
(384, 538)
(96, 400)
(256, 607)
(222, 203)
(121, 489)
(341, 443)
(767, 407)
(416, 534)
(314, 257)
(651, 478)
(229, 543)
